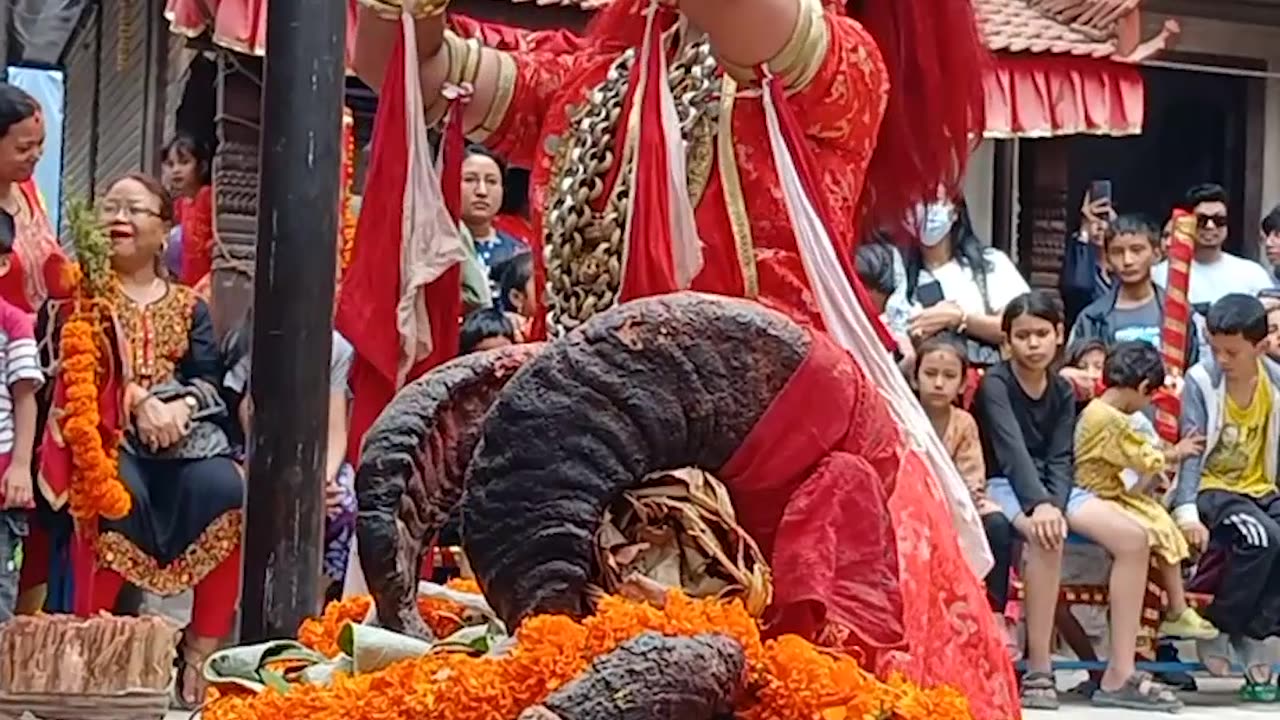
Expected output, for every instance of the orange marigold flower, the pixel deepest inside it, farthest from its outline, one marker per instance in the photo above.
(96, 489)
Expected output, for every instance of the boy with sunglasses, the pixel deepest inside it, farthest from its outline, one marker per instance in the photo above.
(1214, 271)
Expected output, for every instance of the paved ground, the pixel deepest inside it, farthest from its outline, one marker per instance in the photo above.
(1217, 702)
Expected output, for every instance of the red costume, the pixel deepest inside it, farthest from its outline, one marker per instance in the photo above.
(769, 193)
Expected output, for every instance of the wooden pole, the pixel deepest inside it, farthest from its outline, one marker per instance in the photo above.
(298, 220)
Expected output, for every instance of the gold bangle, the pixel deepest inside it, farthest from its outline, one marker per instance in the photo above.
(800, 58)
(501, 101)
(423, 9)
(385, 9)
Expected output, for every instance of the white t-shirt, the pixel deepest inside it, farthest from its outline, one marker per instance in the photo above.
(1004, 283)
(1210, 281)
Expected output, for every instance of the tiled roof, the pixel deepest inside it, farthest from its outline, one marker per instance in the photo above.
(1018, 26)
(1061, 27)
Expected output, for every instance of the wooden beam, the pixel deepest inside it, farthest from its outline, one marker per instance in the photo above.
(293, 319)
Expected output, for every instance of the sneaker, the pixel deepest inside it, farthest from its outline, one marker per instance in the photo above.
(1189, 625)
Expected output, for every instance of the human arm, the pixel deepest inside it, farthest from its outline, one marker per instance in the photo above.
(966, 453)
(339, 371)
(1123, 446)
(1194, 422)
(1059, 466)
(994, 411)
(511, 92)
(24, 378)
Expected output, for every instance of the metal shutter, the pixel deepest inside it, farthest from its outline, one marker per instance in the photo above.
(78, 146)
(122, 83)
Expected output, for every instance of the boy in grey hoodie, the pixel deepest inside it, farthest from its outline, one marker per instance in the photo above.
(1229, 493)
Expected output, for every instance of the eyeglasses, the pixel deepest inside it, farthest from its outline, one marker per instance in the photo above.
(1218, 221)
(113, 209)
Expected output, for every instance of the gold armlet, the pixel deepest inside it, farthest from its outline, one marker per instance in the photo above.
(505, 88)
(457, 52)
(419, 9)
(385, 9)
(800, 58)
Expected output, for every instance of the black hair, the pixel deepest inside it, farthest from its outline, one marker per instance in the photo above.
(1203, 193)
(947, 341)
(1271, 223)
(512, 274)
(1131, 362)
(8, 231)
(1037, 303)
(482, 325)
(966, 249)
(478, 149)
(1081, 347)
(874, 265)
(1238, 314)
(16, 105)
(1133, 225)
(187, 145)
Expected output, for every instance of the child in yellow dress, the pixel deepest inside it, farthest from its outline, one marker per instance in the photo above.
(1120, 465)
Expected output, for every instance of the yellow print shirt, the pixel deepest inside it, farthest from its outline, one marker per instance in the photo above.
(1237, 462)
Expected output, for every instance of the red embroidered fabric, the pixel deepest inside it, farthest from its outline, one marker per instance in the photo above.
(943, 615)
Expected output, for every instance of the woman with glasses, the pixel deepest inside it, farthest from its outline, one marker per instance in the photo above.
(183, 529)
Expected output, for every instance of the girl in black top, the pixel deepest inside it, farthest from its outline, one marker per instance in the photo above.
(1026, 413)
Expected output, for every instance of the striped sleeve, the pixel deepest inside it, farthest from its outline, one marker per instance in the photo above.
(21, 356)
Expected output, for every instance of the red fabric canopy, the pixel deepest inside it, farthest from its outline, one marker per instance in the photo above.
(1040, 96)
(241, 25)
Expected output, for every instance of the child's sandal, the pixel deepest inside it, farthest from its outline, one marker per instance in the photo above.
(1254, 691)
(1039, 691)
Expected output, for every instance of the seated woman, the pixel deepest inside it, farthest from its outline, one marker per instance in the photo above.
(183, 528)
(1026, 413)
(340, 494)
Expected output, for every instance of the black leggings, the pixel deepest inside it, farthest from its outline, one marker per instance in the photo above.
(1000, 536)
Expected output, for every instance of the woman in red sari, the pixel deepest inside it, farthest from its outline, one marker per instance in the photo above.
(21, 145)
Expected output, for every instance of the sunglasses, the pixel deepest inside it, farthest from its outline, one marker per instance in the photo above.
(1218, 221)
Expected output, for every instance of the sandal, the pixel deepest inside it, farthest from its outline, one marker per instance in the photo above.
(1039, 691)
(187, 664)
(1139, 692)
(1258, 692)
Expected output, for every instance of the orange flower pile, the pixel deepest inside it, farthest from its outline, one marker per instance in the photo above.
(787, 678)
(96, 488)
(444, 617)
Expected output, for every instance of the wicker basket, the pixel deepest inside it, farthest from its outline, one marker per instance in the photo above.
(59, 667)
(149, 705)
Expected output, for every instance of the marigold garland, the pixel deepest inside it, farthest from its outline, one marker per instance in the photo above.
(348, 235)
(788, 678)
(444, 617)
(96, 488)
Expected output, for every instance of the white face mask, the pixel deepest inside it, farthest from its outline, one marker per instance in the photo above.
(934, 221)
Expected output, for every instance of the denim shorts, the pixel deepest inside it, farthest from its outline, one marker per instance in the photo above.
(1000, 491)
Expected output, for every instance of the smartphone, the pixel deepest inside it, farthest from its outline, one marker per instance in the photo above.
(929, 294)
(1100, 190)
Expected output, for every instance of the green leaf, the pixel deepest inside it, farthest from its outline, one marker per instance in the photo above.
(274, 680)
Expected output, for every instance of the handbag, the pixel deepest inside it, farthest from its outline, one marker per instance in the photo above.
(206, 439)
